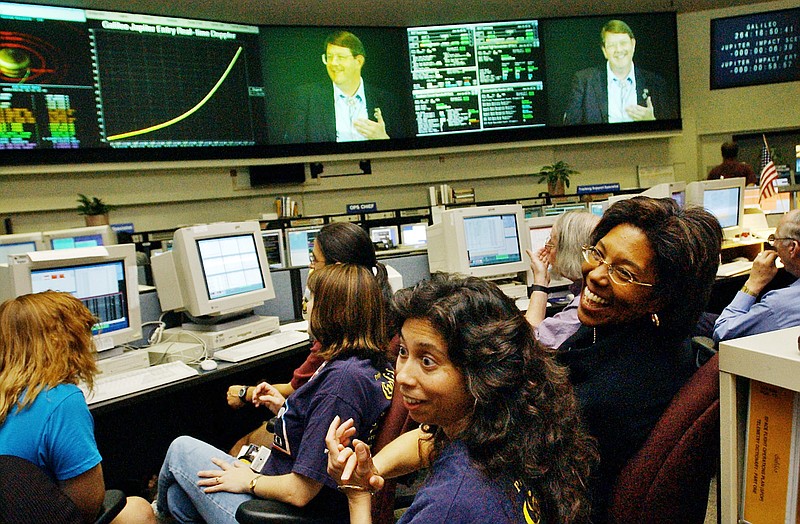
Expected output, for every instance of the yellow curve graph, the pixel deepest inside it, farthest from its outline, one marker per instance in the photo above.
(188, 113)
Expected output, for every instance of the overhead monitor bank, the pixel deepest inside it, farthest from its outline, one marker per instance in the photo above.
(82, 85)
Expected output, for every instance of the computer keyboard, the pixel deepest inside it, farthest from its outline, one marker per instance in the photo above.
(260, 346)
(734, 268)
(125, 383)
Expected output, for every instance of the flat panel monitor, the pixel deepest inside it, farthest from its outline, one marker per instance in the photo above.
(755, 49)
(724, 198)
(300, 242)
(103, 278)
(80, 91)
(92, 236)
(20, 243)
(387, 235)
(414, 234)
(273, 244)
(540, 229)
(214, 271)
(485, 241)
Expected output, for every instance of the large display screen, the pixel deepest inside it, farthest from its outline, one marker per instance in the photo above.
(759, 48)
(96, 86)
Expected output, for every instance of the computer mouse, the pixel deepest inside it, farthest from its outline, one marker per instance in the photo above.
(208, 365)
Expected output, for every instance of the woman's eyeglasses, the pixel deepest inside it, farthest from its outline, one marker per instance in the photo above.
(618, 275)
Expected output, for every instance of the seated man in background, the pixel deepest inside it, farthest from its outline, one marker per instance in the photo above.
(778, 309)
(731, 167)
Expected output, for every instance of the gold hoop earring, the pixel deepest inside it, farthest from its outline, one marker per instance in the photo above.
(655, 320)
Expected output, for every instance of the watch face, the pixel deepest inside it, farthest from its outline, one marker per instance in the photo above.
(243, 393)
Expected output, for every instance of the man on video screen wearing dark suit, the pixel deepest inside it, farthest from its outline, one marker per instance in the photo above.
(346, 109)
(619, 91)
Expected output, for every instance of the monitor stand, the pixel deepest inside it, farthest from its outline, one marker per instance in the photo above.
(218, 335)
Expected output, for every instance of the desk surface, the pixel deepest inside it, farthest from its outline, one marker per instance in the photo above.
(133, 432)
(223, 370)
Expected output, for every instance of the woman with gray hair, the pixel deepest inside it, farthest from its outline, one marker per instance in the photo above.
(562, 253)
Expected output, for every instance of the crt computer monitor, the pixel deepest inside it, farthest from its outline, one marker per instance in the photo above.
(385, 234)
(300, 241)
(214, 272)
(724, 198)
(91, 236)
(540, 229)
(20, 243)
(485, 241)
(674, 190)
(414, 234)
(103, 278)
(273, 244)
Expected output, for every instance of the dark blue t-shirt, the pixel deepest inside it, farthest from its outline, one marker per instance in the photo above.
(457, 492)
(351, 388)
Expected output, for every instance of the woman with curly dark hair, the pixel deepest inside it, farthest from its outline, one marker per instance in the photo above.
(500, 421)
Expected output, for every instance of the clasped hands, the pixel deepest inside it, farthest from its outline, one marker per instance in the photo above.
(351, 467)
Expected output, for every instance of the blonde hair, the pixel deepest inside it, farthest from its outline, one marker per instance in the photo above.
(45, 340)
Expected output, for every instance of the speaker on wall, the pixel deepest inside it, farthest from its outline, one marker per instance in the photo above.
(261, 176)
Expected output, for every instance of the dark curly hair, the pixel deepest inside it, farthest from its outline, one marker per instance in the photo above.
(686, 244)
(525, 427)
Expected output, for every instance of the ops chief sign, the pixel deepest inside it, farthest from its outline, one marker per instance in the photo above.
(366, 207)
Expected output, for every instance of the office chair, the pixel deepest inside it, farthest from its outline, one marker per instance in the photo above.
(29, 495)
(668, 479)
(262, 511)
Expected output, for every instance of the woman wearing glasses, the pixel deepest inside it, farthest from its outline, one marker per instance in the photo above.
(647, 275)
(562, 256)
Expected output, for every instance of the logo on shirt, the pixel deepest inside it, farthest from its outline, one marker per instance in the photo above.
(386, 378)
(530, 509)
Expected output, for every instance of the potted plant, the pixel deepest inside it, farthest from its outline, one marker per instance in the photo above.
(557, 176)
(94, 210)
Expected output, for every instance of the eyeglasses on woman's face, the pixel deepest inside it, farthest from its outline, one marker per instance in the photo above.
(618, 275)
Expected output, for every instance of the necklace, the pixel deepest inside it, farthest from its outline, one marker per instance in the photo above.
(594, 335)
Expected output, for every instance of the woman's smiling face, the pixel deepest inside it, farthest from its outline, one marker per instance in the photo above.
(433, 389)
(605, 302)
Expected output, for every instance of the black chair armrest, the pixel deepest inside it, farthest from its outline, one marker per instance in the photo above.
(260, 511)
(113, 503)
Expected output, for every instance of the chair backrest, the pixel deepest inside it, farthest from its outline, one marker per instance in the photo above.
(668, 479)
(29, 495)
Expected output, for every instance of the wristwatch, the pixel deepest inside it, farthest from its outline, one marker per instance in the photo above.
(242, 394)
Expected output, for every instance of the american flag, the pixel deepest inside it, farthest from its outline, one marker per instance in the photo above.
(768, 173)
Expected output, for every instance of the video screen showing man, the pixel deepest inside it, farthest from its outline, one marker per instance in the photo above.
(620, 90)
(336, 90)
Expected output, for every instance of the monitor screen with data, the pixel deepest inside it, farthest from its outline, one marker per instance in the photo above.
(214, 271)
(96, 86)
(492, 239)
(104, 279)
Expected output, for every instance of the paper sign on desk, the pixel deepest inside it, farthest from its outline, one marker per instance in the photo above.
(770, 481)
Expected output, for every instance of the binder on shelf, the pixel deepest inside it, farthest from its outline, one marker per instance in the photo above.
(772, 456)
